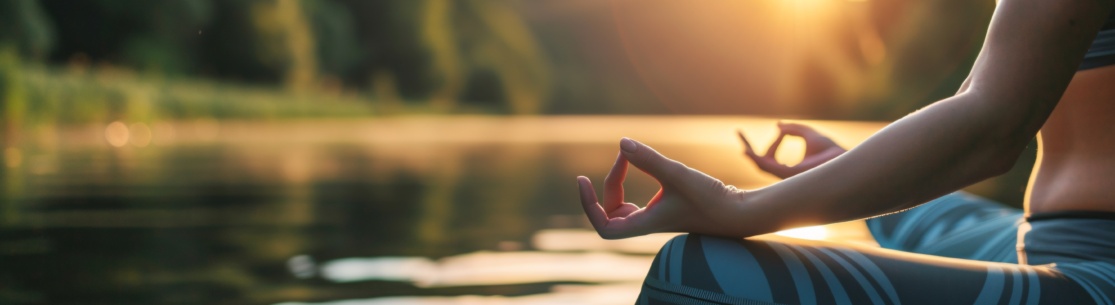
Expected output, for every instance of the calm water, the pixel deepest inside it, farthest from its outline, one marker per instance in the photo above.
(417, 210)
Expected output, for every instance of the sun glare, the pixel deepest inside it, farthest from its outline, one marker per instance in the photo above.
(806, 5)
(812, 233)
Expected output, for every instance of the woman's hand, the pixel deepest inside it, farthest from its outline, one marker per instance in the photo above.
(689, 201)
(818, 150)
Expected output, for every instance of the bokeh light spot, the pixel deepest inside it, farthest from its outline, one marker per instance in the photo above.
(117, 134)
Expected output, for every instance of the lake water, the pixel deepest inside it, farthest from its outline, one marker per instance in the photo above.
(414, 210)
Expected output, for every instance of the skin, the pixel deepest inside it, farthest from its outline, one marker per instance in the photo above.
(818, 150)
(1026, 68)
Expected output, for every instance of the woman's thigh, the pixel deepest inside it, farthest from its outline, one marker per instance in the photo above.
(694, 269)
(958, 225)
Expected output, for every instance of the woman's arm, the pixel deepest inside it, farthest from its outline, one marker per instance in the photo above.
(1032, 50)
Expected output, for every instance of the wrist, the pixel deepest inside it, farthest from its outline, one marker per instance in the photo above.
(752, 213)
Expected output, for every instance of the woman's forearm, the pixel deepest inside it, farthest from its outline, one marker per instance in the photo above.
(925, 155)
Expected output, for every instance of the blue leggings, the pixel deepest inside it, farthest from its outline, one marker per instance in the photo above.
(957, 249)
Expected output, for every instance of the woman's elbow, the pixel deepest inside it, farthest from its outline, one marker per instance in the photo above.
(1001, 166)
(998, 158)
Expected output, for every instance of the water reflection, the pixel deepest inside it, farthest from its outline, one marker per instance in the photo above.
(588, 240)
(492, 268)
(407, 210)
(608, 294)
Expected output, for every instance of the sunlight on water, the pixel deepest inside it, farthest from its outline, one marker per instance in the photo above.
(588, 240)
(606, 294)
(402, 269)
(492, 268)
(565, 255)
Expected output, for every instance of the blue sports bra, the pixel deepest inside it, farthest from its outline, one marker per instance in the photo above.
(1102, 51)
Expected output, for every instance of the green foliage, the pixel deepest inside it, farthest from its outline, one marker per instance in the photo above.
(469, 38)
(432, 49)
(338, 50)
(927, 63)
(23, 23)
(13, 101)
(77, 96)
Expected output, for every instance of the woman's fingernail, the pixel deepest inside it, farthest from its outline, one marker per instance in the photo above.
(627, 145)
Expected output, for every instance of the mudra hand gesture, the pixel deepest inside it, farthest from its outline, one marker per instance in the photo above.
(689, 200)
(818, 150)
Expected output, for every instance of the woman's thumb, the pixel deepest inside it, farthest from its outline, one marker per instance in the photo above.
(799, 130)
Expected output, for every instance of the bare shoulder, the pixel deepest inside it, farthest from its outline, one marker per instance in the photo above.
(1033, 47)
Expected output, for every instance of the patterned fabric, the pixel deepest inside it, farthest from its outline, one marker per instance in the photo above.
(1102, 51)
(957, 225)
(695, 269)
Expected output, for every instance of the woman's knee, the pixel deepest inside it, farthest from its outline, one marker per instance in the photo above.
(668, 258)
(703, 249)
(693, 258)
(726, 266)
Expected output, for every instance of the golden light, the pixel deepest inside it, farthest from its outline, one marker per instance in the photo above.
(812, 233)
(12, 157)
(140, 134)
(807, 6)
(162, 133)
(117, 134)
(803, 4)
(791, 151)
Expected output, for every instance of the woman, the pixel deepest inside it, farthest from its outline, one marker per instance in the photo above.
(1036, 71)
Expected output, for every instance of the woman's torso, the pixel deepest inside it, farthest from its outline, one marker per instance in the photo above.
(1076, 165)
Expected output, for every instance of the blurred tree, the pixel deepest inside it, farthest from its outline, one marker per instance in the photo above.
(159, 36)
(483, 51)
(23, 24)
(438, 33)
(169, 40)
(389, 46)
(286, 40)
(931, 46)
(13, 97)
(458, 55)
(248, 40)
(338, 51)
(230, 47)
(454, 53)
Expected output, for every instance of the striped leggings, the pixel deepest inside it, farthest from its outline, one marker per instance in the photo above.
(958, 249)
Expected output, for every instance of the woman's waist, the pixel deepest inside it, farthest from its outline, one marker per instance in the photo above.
(1080, 183)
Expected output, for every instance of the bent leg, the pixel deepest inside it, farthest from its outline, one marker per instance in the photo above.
(694, 269)
(957, 225)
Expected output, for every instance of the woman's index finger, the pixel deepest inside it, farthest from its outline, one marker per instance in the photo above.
(746, 144)
(613, 184)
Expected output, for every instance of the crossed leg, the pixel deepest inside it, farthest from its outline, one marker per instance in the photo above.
(694, 269)
(973, 262)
